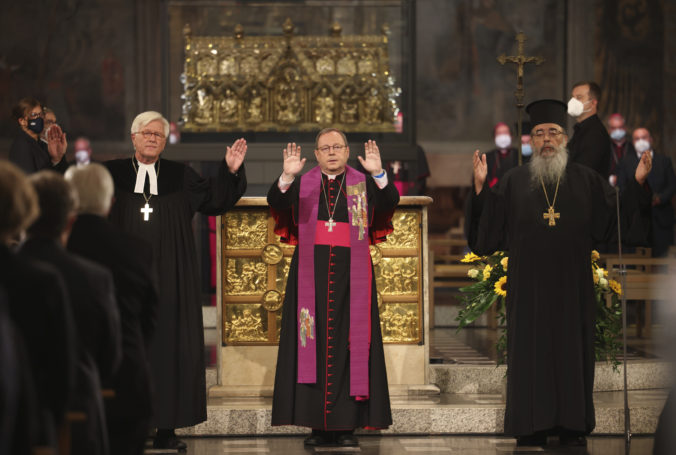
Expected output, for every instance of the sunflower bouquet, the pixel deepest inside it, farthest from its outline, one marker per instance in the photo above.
(490, 273)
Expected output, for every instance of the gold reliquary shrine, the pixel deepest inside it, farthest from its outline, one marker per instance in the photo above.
(288, 82)
(255, 265)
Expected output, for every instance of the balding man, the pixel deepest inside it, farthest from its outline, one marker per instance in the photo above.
(662, 183)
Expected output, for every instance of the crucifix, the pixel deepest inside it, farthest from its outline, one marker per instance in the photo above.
(330, 224)
(520, 60)
(147, 210)
(551, 215)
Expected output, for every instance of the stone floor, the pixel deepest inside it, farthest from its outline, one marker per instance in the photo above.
(400, 445)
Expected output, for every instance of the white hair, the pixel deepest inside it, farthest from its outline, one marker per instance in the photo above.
(146, 117)
(548, 169)
(94, 186)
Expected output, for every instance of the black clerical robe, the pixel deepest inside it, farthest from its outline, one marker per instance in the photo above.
(590, 145)
(551, 307)
(327, 404)
(177, 350)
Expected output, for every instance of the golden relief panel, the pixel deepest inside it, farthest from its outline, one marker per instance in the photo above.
(245, 323)
(289, 71)
(283, 274)
(246, 229)
(406, 230)
(399, 322)
(397, 276)
(245, 276)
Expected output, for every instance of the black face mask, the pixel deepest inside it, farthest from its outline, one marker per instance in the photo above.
(36, 125)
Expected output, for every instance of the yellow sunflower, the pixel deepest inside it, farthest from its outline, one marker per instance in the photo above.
(595, 256)
(503, 262)
(596, 277)
(470, 257)
(615, 286)
(487, 272)
(501, 286)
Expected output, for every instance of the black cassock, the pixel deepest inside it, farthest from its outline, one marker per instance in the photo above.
(327, 404)
(177, 351)
(551, 308)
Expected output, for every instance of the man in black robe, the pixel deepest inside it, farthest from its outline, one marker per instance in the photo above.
(92, 298)
(38, 306)
(156, 199)
(590, 144)
(547, 216)
(129, 259)
(329, 402)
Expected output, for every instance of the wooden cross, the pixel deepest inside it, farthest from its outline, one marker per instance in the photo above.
(551, 215)
(147, 210)
(520, 60)
(330, 224)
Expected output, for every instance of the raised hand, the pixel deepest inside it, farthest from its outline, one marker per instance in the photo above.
(292, 162)
(371, 161)
(643, 168)
(56, 143)
(480, 170)
(234, 156)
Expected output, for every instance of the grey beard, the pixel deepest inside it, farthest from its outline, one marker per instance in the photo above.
(548, 169)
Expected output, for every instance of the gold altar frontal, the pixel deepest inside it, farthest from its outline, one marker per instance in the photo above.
(253, 266)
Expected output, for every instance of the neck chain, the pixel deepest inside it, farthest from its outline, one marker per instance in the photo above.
(326, 199)
(133, 164)
(551, 215)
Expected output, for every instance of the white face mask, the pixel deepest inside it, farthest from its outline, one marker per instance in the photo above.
(641, 145)
(618, 134)
(576, 107)
(82, 156)
(503, 141)
(526, 150)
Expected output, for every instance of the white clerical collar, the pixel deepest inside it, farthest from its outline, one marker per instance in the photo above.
(144, 169)
(652, 155)
(332, 176)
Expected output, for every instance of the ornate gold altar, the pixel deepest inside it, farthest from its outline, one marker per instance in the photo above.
(253, 267)
(289, 82)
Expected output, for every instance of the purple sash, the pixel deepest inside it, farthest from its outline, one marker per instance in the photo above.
(360, 280)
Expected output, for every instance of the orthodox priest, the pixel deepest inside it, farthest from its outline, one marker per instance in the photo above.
(331, 368)
(156, 200)
(547, 215)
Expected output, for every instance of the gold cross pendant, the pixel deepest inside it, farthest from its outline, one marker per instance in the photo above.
(551, 215)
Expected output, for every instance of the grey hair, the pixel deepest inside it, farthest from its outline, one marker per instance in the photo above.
(94, 186)
(146, 117)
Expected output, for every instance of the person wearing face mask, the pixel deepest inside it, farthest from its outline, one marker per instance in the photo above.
(662, 183)
(27, 151)
(502, 158)
(526, 149)
(590, 143)
(619, 145)
(83, 151)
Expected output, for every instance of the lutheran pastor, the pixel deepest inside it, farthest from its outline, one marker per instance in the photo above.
(331, 368)
(156, 200)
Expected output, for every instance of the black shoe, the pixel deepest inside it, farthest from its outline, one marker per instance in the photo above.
(316, 440)
(172, 443)
(531, 440)
(572, 440)
(347, 440)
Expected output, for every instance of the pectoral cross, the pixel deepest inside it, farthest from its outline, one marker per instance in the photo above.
(147, 210)
(330, 224)
(551, 215)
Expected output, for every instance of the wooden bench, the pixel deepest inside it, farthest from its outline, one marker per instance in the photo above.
(646, 280)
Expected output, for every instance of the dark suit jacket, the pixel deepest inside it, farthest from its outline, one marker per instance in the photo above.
(130, 261)
(97, 319)
(662, 183)
(40, 309)
(590, 145)
(32, 156)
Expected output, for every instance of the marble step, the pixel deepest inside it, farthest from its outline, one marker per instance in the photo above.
(444, 414)
(641, 374)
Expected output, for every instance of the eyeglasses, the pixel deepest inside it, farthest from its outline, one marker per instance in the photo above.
(34, 115)
(335, 147)
(552, 132)
(149, 134)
